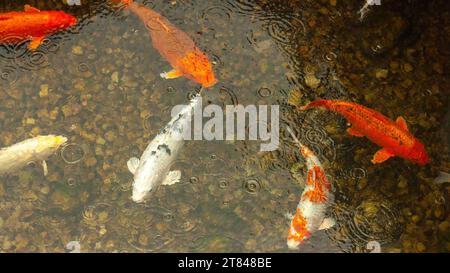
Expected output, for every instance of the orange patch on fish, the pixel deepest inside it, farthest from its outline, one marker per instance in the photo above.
(318, 180)
(298, 230)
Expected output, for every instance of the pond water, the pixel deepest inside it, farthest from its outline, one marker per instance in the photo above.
(98, 83)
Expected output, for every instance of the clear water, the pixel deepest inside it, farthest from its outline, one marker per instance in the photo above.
(106, 96)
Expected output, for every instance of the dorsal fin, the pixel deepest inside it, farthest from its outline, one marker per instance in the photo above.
(402, 123)
(29, 8)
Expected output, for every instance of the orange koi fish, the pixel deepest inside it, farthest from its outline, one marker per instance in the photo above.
(176, 47)
(32, 24)
(394, 137)
(316, 197)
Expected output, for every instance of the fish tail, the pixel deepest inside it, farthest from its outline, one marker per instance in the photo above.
(317, 103)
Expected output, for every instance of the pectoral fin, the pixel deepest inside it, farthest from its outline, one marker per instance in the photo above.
(402, 123)
(381, 156)
(133, 164)
(36, 42)
(327, 223)
(172, 177)
(171, 74)
(29, 8)
(353, 132)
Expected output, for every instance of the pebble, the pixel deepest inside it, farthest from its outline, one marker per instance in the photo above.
(115, 77)
(381, 73)
(407, 67)
(312, 81)
(43, 92)
(77, 50)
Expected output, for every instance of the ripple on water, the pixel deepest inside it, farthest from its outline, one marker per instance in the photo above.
(214, 13)
(72, 153)
(98, 214)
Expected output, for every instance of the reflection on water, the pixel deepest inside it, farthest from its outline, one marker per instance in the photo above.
(98, 84)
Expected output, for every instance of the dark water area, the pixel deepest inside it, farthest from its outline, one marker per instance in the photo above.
(98, 83)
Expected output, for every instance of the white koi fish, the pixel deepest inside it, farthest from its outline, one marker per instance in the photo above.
(311, 210)
(153, 169)
(36, 149)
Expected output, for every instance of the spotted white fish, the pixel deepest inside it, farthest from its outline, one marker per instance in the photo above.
(36, 149)
(153, 169)
(316, 197)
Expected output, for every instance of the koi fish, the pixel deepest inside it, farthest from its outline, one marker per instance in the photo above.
(176, 47)
(153, 169)
(310, 214)
(394, 137)
(32, 24)
(36, 149)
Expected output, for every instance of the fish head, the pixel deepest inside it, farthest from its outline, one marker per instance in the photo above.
(144, 183)
(61, 20)
(419, 154)
(52, 141)
(139, 195)
(198, 67)
(295, 241)
(293, 244)
(142, 187)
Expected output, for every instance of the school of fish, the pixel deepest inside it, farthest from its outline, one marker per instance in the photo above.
(187, 60)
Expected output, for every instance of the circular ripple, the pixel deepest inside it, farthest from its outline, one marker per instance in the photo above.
(98, 214)
(212, 13)
(182, 226)
(223, 184)
(377, 221)
(284, 30)
(251, 186)
(72, 153)
(8, 76)
(156, 243)
(83, 67)
(264, 92)
(226, 95)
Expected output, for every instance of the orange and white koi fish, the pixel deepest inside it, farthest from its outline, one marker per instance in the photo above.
(393, 136)
(36, 149)
(176, 47)
(310, 214)
(32, 24)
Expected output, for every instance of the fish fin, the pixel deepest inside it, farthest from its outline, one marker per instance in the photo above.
(133, 164)
(171, 74)
(29, 8)
(36, 42)
(353, 132)
(381, 156)
(442, 178)
(327, 223)
(402, 123)
(289, 216)
(317, 103)
(44, 167)
(172, 177)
